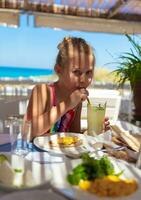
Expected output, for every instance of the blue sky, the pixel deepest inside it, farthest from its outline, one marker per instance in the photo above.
(28, 46)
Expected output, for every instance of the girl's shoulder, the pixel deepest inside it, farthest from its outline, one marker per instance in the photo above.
(41, 87)
(44, 89)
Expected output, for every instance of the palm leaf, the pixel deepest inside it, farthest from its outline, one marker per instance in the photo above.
(130, 56)
(128, 65)
(135, 44)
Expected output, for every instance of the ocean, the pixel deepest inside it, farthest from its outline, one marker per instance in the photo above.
(26, 72)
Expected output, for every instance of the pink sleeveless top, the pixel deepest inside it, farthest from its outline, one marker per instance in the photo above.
(63, 124)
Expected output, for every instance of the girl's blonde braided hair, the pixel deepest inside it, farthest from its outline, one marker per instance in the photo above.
(77, 43)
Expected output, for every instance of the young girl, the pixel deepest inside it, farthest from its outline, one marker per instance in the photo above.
(57, 107)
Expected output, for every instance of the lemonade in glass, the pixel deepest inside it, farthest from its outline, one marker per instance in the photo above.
(95, 118)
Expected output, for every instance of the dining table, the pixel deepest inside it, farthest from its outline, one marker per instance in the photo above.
(59, 164)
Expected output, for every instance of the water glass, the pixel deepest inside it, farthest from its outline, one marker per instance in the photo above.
(20, 132)
(95, 118)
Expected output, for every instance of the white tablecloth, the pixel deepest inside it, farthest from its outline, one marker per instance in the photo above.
(59, 166)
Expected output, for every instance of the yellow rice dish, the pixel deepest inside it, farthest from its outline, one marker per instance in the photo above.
(109, 186)
(66, 141)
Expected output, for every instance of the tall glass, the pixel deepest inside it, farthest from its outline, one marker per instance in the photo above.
(95, 118)
(20, 132)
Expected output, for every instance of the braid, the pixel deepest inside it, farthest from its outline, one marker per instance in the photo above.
(67, 46)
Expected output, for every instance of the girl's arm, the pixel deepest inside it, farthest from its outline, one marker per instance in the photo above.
(75, 126)
(40, 112)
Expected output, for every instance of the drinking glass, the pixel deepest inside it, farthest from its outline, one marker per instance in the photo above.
(95, 118)
(20, 132)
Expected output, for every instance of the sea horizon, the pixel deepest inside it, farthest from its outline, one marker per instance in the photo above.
(26, 72)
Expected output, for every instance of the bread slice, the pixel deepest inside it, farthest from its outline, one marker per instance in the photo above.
(116, 130)
(119, 141)
(132, 142)
(123, 155)
(129, 139)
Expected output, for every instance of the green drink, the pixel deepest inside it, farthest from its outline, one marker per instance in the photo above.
(95, 118)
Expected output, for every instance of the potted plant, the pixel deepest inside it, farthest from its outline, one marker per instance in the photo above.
(129, 69)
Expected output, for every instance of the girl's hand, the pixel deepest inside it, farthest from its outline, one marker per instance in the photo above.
(106, 124)
(76, 97)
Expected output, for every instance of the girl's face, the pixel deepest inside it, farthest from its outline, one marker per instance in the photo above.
(79, 71)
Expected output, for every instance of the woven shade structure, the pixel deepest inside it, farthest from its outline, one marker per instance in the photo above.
(9, 19)
(113, 16)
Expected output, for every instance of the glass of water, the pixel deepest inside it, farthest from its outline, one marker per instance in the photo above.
(20, 132)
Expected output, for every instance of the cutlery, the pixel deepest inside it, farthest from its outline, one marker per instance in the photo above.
(106, 150)
(138, 163)
(90, 150)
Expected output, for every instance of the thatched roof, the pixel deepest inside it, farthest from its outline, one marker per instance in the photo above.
(114, 16)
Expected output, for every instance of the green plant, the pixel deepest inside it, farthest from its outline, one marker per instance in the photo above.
(129, 64)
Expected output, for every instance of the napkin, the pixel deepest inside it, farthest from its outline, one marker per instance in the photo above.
(44, 157)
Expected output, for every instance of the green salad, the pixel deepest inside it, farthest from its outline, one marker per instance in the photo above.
(91, 168)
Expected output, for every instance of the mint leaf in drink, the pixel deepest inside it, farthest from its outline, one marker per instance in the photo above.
(99, 107)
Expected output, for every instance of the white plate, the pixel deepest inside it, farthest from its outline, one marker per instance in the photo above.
(33, 174)
(87, 145)
(43, 143)
(75, 193)
(33, 195)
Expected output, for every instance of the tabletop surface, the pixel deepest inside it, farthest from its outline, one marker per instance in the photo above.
(58, 164)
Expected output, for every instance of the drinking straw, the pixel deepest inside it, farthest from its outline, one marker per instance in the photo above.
(88, 100)
(105, 104)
